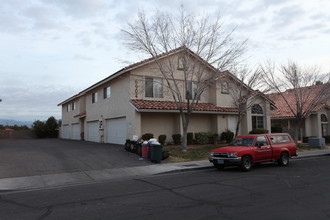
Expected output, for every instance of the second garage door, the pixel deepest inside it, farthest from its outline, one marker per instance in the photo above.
(116, 131)
(76, 131)
(93, 131)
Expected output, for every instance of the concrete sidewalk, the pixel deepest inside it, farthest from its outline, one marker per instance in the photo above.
(94, 176)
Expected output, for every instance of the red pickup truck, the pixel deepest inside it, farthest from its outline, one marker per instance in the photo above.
(246, 150)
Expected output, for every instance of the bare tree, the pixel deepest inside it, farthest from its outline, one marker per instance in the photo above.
(243, 90)
(302, 89)
(205, 50)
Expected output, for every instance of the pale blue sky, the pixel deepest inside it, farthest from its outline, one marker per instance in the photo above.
(51, 50)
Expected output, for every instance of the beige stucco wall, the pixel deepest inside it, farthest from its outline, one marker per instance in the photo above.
(137, 82)
(116, 106)
(160, 123)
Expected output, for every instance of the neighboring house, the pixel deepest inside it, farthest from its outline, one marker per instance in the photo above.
(135, 100)
(315, 124)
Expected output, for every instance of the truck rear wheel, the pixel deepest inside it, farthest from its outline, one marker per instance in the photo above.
(246, 163)
(284, 159)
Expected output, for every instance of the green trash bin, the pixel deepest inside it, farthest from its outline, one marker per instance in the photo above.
(156, 153)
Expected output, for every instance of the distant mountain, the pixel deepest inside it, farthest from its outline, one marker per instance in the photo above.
(14, 122)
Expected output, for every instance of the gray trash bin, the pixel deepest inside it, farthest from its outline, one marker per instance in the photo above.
(156, 153)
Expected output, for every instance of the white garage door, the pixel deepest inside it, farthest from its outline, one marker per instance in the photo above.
(65, 132)
(116, 131)
(93, 131)
(76, 131)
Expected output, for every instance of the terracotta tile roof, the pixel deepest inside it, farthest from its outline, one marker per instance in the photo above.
(170, 105)
(80, 115)
(283, 111)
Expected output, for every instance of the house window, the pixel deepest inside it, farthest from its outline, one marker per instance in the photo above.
(192, 91)
(182, 65)
(257, 117)
(68, 108)
(153, 87)
(256, 109)
(74, 106)
(95, 97)
(224, 87)
(324, 125)
(106, 92)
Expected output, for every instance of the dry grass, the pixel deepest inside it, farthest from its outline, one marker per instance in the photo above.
(194, 152)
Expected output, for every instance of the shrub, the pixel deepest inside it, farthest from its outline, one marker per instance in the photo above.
(176, 138)
(259, 131)
(202, 137)
(276, 129)
(162, 139)
(213, 137)
(190, 137)
(51, 127)
(40, 129)
(227, 136)
(147, 136)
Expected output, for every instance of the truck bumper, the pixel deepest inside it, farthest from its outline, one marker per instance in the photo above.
(225, 161)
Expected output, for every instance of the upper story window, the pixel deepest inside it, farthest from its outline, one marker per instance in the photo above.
(74, 106)
(106, 92)
(95, 97)
(324, 118)
(256, 109)
(182, 64)
(68, 108)
(224, 87)
(257, 116)
(154, 87)
(192, 91)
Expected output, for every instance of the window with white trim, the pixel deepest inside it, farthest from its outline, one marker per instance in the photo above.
(106, 92)
(95, 97)
(324, 125)
(192, 91)
(257, 117)
(154, 87)
(74, 106)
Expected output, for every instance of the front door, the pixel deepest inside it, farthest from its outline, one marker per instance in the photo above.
(262, 150)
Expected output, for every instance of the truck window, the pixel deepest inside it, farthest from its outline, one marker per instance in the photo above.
(242, 142)
(277, 139)
(261, 141)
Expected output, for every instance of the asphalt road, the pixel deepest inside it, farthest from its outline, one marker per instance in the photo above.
(300, 191)
(31, 157)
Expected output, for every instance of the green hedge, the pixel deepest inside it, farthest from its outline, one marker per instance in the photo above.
(190, 137)
(176, 138)
(162, 139)
(227, 136)
(147, 136)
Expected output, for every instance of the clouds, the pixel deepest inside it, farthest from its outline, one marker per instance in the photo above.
(50, 50)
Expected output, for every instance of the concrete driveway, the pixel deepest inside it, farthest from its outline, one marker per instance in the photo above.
(50, 156)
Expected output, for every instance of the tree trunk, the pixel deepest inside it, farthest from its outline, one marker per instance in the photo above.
(237, 125)
(184, 147)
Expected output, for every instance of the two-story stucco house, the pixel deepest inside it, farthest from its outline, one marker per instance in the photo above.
(133, 101)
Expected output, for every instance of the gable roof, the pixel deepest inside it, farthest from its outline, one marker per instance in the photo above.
(283, 111)
(257, 92)
(147, 105)
(135, 66)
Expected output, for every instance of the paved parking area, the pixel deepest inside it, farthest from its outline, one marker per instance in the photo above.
(51, 156)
